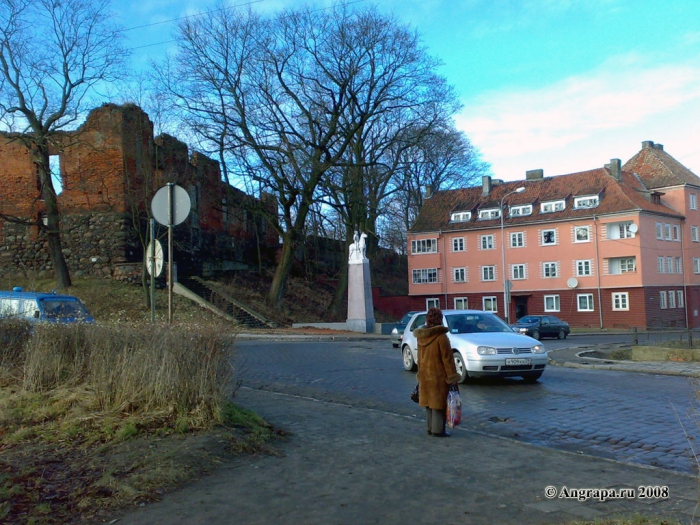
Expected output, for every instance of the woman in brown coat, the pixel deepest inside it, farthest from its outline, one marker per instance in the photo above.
(436, 370)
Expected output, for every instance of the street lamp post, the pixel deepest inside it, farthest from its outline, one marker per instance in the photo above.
(506, 302)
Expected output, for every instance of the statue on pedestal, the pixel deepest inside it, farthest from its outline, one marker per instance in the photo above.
(358, 249)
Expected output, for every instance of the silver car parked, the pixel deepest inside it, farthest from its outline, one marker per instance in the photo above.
(483, 346)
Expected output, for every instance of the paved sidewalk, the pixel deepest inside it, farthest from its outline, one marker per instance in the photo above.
(345, 465)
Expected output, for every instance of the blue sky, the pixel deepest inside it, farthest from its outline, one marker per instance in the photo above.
(563, 85)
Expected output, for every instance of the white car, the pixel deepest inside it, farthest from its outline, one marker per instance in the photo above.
(483, 346)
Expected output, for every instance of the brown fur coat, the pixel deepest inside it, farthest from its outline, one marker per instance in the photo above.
(436, 366)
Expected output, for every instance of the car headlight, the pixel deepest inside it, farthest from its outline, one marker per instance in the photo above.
(538, 349)
(486, 350)
(394, 331)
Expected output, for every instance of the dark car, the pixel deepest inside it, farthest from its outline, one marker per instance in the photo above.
(397, 332)
(538, 326)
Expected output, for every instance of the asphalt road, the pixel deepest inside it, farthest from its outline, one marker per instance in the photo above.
(639, 418)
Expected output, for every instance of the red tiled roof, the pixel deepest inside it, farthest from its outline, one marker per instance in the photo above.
(615, 196)
(658, 169)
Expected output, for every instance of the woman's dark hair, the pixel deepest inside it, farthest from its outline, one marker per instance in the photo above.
(434, 317)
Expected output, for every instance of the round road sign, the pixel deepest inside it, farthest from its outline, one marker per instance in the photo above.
(181, 205)
(159, 258)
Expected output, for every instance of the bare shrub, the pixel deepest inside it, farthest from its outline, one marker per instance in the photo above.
(13, 336)
(176, 372)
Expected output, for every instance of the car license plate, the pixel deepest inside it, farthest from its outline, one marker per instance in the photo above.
(518, 361)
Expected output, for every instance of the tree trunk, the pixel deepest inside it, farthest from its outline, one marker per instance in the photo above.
(279, 280)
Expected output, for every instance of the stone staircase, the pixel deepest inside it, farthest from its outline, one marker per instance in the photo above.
(221, 303)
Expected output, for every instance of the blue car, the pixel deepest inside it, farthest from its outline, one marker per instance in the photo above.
(42, 307)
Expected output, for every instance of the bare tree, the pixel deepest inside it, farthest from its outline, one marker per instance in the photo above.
(285, 98)
(52, 54)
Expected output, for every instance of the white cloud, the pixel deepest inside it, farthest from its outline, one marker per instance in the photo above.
(569, 125)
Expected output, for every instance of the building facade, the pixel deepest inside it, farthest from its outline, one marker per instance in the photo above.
(609, 247)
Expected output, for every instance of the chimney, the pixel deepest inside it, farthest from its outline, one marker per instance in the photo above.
(428, 191)
(534, 174)
(647, 144)
(486, 185)
(660, 147)
(615, 168)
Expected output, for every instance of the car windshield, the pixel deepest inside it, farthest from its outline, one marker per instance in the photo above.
(62, 309)
(406, 318)
(528, 319)
(473, 323)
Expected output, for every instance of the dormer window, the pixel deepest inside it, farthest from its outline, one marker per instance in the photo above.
(552, 206)
(521, 211)
(461, 216)
(490, 213)
(589, 201)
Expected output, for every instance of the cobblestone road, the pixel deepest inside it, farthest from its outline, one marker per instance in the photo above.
(640, 418)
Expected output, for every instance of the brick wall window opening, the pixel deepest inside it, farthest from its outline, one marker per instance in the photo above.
(487, 242)
(661, 264)
(667, 232)
(459, 275)
(585, 302)
(662, 300)
(620, 301)
(432, 303)
(659, 231)
(696, 265)
(693, 201)
(56, 175)
(517, 240)
(424, 246)
(583, 268)
(490, 304)
(671, 299)
(551, 303)
(676, 233)
(549, 237)
(679, 298)
(425, 275)
(518, 272)
(550, 269)
(458, 244)
(488, 273)
(461, 303)
(694, 236)
(582, 234)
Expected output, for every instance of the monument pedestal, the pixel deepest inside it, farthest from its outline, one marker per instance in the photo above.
(360, 305)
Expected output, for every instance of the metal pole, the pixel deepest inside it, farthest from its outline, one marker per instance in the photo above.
(153, 270)
(505, 272)
(170, 252)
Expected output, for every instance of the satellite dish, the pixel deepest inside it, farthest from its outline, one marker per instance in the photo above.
(572, 282)
(633, 228)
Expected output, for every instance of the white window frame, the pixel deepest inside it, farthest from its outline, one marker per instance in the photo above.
(671, 299)
(678, 264)
(679, 299)
(661, 264)
(520, 211)
(551, 265)
(459, 275)
(490, 269)
(585, 202)
(432, 302)
(461, 216)
(584, 268)
(520, 237)
(662, 300)
(589, 306)
(669, 264)
(693, 201)
(458, 244)
(695, 234)
(578, 230)
(489, 214)
(551, 303)
(628, 264)
(424, 276)
(553, 231)
(667, 232)
(489, 303)
(461, 303)
(696, 265)
(552, 206)
(620, 301)
(487, 242)
(522, 272)
(625, 232)
(420, 246)
(659, 231)
(676, 233)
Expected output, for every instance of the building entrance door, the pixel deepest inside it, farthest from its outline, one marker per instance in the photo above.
(520, 307)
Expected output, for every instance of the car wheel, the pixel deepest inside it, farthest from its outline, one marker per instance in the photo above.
(461, 367)
(536, 334)
(561, 334)
(408, 363)
(532, 378)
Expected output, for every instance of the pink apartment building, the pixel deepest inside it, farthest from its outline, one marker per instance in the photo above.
(617, 246)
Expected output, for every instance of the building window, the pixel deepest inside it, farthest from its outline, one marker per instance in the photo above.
(552, 206)
(424, 246)
(517, 240)
(661, 265)
(582, 234)
(620, 301)
(425, 275)
(433, 302)
(623, 265)
(676, 233)
(487, 242)
(490, 304)
(671, 299)
(488, 273)
(677, 265)
(694, 234)
(551, 303)
(662, 300)
(461, 216)
(620, 230)
(659, 231)
(518, 271)
(459, 275)
(679, 298)
(693, 201)
(521, 211)
(550, 269)
(590, 201)
(458, 244)
(585, 302)
(667, 232)
(56, 174)
(696, 265)
(461, 303)
(549, 237)
(491, 213)
(669, 264)
(583, 268)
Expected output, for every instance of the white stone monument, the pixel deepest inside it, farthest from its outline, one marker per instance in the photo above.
(360, 306)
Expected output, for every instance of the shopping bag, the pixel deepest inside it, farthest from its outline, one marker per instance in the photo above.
(454, 408)
(415, 395)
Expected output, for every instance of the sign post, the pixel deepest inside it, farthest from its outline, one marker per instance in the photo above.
(170, 206)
